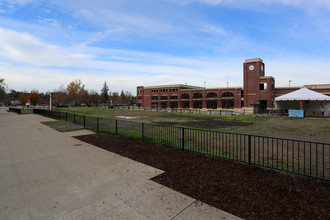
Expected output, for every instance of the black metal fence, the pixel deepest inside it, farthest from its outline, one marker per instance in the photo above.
(17, 110)
(288, 155)
(186, 110)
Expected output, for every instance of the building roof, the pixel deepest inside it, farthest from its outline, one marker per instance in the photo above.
(253, 60)
(189, 87)
(303, 94)
(173, 86)
(266, 77)
(318, 86)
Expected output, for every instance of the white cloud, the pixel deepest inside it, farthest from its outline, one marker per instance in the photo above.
(49, 22)
(122, 21)
(300, 71)
(215, 30)
(168, 70)
(23, 2)
(24, 48)
(304, 4)
(47, 66)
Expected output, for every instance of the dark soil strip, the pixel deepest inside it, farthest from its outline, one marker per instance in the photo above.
(246, 191)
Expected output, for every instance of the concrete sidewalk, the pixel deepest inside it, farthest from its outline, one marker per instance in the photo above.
(45, 174)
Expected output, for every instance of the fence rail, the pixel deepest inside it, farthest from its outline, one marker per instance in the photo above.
(188, 110)
(288, 155)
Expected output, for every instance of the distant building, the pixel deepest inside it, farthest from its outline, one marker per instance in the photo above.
(258, 91)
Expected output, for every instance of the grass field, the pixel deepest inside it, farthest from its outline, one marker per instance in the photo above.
(26, 111)
(309, 129)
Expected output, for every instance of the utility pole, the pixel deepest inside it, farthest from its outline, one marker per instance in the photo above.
(50, 102)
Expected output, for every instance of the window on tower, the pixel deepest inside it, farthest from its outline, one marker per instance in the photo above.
(263, 86)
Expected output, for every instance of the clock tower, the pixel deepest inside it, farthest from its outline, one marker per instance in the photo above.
(253, 69)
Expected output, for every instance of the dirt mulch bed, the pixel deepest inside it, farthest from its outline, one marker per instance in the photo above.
(246, 191)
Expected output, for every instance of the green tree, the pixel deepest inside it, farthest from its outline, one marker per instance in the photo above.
(128, 97)
(14, 94)
(122, 97)
(3, 89)
(115, 96)
(44, 97)
(105, 92)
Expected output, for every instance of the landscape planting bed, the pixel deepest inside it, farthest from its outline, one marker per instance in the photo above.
(246, 191)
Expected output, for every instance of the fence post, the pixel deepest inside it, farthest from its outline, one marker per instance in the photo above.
(182, 139)
(97, 124)
(249, 153)
(66, 117)
(116, 127)
(74, 118)
(142, 124)
(59, 115)
(84, 121)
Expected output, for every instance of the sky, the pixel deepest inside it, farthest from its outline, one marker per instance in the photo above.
(46, 44)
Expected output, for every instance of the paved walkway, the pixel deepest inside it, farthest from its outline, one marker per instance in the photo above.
(45, 174)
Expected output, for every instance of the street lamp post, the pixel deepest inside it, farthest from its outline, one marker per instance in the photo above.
(50, 101)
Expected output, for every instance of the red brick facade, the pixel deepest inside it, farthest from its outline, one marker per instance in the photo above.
(258, 90)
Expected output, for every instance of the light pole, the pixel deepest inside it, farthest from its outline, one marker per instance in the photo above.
(290, 82)
(204, 84)
(227, 84)
(50, 101)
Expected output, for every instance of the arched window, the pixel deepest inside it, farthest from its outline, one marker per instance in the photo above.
(155, 97)
(163, 97)
(184, 96)
(211, 95)
(197, 95)
(227, 94)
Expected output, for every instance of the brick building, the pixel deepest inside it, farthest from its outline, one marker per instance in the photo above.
(258, 90)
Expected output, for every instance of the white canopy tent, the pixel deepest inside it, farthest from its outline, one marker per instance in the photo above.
(304, 99)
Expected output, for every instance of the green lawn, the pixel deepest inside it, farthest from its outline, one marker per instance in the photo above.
(312, 129)
(26, 111)
(154, 116)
